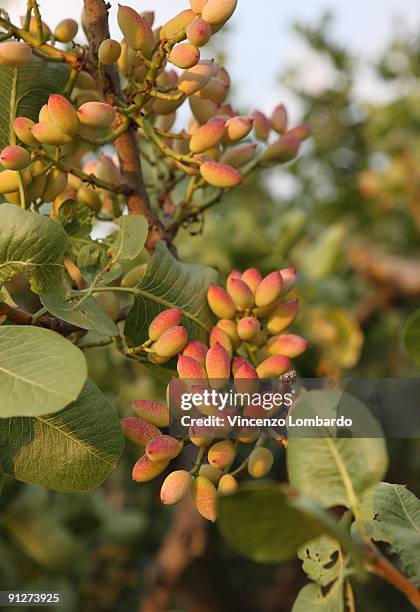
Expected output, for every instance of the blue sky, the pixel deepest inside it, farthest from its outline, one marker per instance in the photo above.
(261, 41)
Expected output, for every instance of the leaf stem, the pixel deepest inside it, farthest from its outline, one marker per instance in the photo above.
(22, 195)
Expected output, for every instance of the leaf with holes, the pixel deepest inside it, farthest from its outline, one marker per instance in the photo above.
(169, 283)
(392, 515)
(72, 450)
(31, 244)
(40, 371)
(320, 560)
(23, 91)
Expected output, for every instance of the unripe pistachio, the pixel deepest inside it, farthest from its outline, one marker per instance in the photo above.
(163, 448)
(202, 109)
(96, 114)
(190, 369)
(204, 496)
(260, 462)
(66, 30)
(223, 75)
(138, 431)
(175, 486)
(195, 78)
(248, 328)
(171, 342)
(218, 336)
(279, 119)
(198, 32)
(164, 321)
(238, 127)
(9, 180)
(47, 132)
(109, 302)
(222, 454)
(175, 26)
(226, 109)
(156, 359)
(262, 125)
(87, 95)
(149, 17)
(44, 114)
(165, 107)
(85, 80)
(220, 175)
(23, 130)
(282, 316)
(217, 365)
(67, 194)
(109, 52)
(145, 470)
(239, 155)
(240, 293)
(215, 90)
(14, 54)
(273, 367)
(252, 277)
(153, 412)
(167, 79)
(289, 279)
(137, 32)
(197, 350)
(227, 485)
(208, 135)
(106, 170)
(217, 12)
(200, 435)
(63, 114)
(197, 5)
(220, 302)
(165, 122)
(33, 28)
(246, 378)
(289, 345)
(230, 328)
(90, 198)
(211, 473)
(134, 276)
(15, 158)
(237, 363)
(269, 289)
(209, 154)
(184, 55)
(234, 274)
(281, 151)
(55, 184)
(301, 132)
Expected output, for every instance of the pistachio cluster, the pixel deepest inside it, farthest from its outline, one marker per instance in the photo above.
(247, 344)
(159, 69)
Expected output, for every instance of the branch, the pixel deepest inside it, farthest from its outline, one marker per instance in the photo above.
(21, 317)
(380, 566)
(126, 145)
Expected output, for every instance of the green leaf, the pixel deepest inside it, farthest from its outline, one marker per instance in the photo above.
(168, 284)
(72, 450)
(335, 471)
(264, 522)
(392, 515)
(411, 337)
(32, 244)
(312, 599)
(128, 242)
(94, 265)
(83, 311)
(24, 90)
(40, 371)
(76, 221)
(320, 560)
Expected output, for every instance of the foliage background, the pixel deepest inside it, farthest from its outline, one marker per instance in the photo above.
(347, 214)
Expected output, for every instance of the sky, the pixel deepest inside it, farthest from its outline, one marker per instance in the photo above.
(261, 42)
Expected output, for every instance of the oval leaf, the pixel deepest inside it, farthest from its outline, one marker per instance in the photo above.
(40, 372)
(129, 241)
(72, 450)
(31, 244)
(311, 598)
(168, 284)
